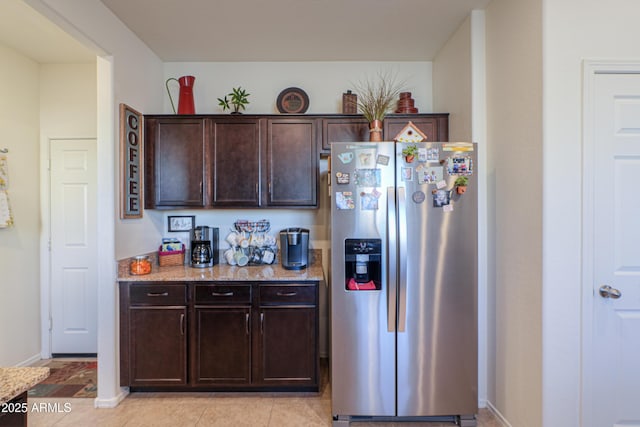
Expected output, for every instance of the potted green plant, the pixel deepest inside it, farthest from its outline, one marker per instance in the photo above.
(461, 184)
(375, 98)
(409, 152)
(239, 100)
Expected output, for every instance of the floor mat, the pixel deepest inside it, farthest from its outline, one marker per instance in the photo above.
(68, 379)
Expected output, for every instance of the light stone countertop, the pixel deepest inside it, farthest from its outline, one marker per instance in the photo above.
(15, 381)
(225, 272)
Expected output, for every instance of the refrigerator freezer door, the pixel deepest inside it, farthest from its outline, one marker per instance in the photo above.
(437, 350)
(363, 342)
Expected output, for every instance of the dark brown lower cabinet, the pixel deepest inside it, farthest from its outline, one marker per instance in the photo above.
(158, 345)
(240, 336)
(222, 346)
(288, 349)
(153, 335)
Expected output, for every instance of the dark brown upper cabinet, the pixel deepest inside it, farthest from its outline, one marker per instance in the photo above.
(292, 163)
(236, 162)
(175, 160)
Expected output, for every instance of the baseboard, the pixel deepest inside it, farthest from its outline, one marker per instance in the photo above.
(501, 419)
(30, 361)
(113, 402)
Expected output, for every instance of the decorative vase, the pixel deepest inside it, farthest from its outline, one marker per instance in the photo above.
(185, 100)
(375, 131)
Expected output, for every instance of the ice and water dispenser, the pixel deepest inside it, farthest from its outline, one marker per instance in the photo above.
(363, 264)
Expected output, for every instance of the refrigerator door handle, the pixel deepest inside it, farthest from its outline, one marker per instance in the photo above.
(392, 261)
(402, 256)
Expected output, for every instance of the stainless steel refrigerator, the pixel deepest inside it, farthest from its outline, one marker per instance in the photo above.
(403, 282)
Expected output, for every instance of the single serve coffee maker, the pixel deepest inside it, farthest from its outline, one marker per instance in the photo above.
(204, 246)
(294, 248)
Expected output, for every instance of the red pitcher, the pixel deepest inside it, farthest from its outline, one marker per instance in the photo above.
(185, 101)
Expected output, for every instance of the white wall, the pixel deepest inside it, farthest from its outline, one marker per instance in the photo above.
(68, 100)
(515, 176)
(459, 89)
(19, 245)
(598, 31)
(130, 73)
(324, 82)
(452, 82)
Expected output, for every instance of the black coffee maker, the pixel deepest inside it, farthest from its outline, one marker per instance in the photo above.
(294, 248)
(204, 246)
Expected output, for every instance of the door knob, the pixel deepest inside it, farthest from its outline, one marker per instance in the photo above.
(607, 291)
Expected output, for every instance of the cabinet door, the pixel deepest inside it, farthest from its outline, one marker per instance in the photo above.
(344, 130)
(292, 163)
(222, 346)
(158, 345)
(435, 126)
(288, 350)
(236, 162)
(174, 162)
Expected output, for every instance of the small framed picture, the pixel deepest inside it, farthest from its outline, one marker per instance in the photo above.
(181, 223)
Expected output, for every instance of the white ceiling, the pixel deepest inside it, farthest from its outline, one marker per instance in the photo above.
(255, 30)
(28, 32)
(294, 30)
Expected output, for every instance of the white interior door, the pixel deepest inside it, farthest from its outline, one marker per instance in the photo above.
(614, 370)
(73, 246)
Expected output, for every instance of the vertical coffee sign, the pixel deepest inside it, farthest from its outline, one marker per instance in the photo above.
(130, 155)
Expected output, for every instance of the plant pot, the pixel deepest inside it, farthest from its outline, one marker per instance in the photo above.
(409, 159)
(460, 189)
(375, 131)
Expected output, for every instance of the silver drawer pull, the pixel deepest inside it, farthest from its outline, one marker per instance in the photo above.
(157, 294)
(222, 294)
(286, 294)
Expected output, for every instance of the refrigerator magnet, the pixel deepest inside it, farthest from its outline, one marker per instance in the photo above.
(460, 165)
(367, 177)
(433, 154)
(346, 157)
(368, 202)
(342, 178)
(382, 160)
(418, 197)
(431, 175)
(407, 174)
(441, 198)
(447, 208)
(344, 200)
(422, 154)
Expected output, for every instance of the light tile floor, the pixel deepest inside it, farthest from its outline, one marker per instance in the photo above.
(208, 409)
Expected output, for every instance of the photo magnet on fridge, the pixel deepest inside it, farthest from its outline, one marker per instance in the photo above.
(344, 200)
(441, 198)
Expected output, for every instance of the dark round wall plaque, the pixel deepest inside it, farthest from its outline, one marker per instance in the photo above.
(293, 100)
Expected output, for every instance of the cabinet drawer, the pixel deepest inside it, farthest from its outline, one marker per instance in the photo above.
(223, 294)
(157, 294)
(282, 294)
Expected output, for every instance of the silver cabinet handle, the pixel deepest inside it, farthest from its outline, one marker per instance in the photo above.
(157, 294)
(607, 291)
(392, 260)
(222, 294)
(246, 323)
(182, 324)
(262, 322)
(286, 294)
